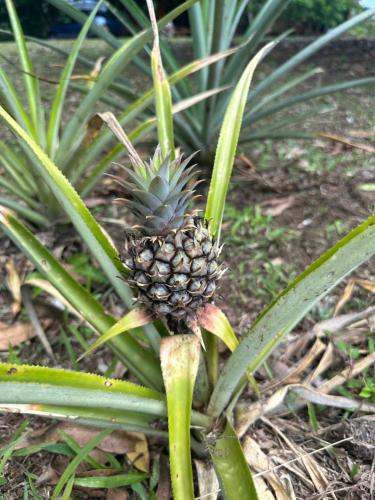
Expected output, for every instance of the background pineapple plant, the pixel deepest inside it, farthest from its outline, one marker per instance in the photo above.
(172, 258)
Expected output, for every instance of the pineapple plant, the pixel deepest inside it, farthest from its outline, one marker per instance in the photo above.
(172, 261)
(172, 258)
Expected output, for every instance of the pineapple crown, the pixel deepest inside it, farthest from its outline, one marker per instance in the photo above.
(158, 192)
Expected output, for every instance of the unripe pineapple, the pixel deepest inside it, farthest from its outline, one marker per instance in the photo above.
(172, 259)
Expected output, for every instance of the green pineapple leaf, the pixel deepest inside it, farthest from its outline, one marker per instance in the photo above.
(163, 97)
(227, 145)
(133, 319)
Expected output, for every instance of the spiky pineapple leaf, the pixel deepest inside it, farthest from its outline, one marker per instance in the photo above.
(31, 82)
(82, 219)
(55, 376)
(227, 145)
(179, 356)
(133, 319)
(291, 305)
(139, 360)
(231, 466)
(64, 80)
(163, 96)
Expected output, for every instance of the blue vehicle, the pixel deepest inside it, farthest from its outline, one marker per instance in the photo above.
(104, 18)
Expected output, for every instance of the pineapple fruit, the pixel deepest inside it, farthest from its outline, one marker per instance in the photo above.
(171, 258)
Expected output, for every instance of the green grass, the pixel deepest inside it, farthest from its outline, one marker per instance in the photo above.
(249, 242)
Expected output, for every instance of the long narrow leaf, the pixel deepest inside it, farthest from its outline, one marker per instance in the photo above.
(32, 84)
(64, 388)
(198, 35)
(131, 320)
(15, 165)
(311, 49)
(27, 213)
(72, 466)
(115, 65)
(45, 394)
(163, 98)
(256, 31)
(135, 136)
(231, 467)
(179, 356)
(133, 111)
(12, 187)
(291, 306)
(58, 103)
(12, 102)
(97, 417)
(139, 360)
(226, 148)
(82, 219)
(288, 102)
(58, 377)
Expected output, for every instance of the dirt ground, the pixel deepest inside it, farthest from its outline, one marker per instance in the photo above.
(289, 201)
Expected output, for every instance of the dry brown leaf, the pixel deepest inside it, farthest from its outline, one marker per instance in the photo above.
(314, 470)
(93, 128)
(324, 363)
(95, 201)
(14, 285)
(208, 483)
(97, 68)
(350, 372)
(277, 206)
(338, 323)
(245, 159)
(14, 335)
(293, 376)
(117, 494)
(133, 444)
(259, 462)
(333, 137)
(362, 134)
(349, 289)
(294, 469)
(366, 284)
(345, 297)
(164, 487)
(48, 476)
(262, 489)
(247, 414)
(50, 289)
(140, 457)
